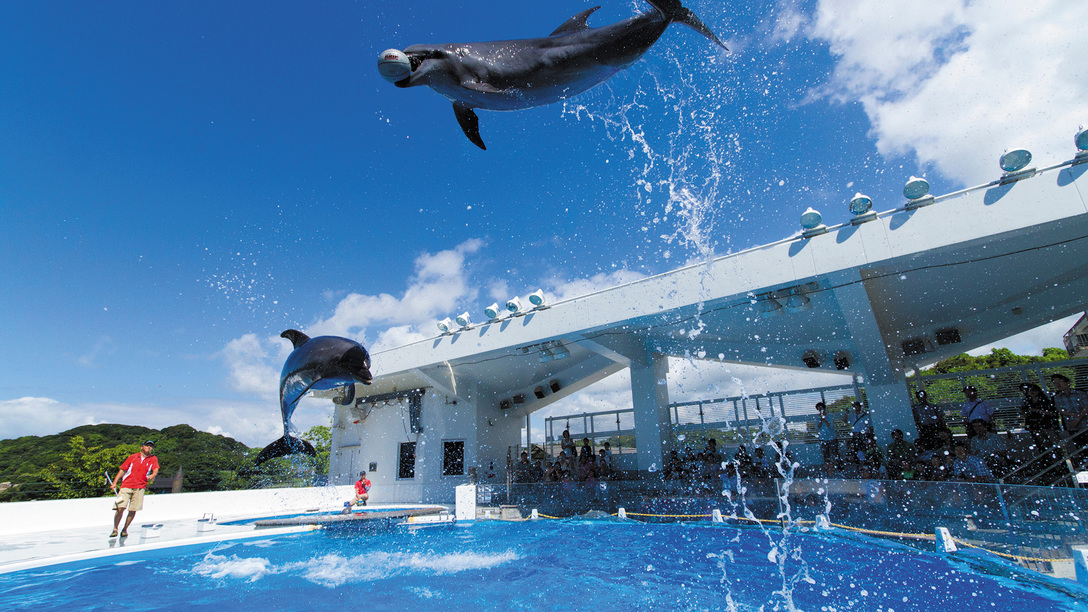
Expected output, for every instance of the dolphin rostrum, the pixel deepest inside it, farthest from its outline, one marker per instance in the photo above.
(516, 74)
(325, 362)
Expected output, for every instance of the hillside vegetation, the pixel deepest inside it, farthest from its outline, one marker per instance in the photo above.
(75, 463)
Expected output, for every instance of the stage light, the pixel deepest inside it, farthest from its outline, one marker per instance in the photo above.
(513, 304)
(1081, 140)
(842, 360)
(770, 306)
(797, 302)
(554, 385)
(462, 319)
(492, 311)
(1015, 160)
(539, 392)
(811, 219)
(536, 298)
(811, 359)
(445, 325)
(916, 188)
(812, 223)
(861, 204)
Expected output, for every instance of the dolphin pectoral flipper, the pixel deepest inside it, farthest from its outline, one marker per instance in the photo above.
(470, 123)
(578, 23)
(481, 87)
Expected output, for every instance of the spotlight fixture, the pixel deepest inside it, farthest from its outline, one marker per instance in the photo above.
(504, 404)
(536, 298)
(1015, 160)
(553, 384)
(916, 188)
(1081, 140)
(811, 359)
(812, 223)
(519, 398)
(462, 319)
(770, 306)
(862, 207)
(513, 304)
(861, 204)
(842, 360)
(445, 325)
(539, 392)
(798, 302)
(492, 311)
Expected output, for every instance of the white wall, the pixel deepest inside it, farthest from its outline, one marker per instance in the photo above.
(56, 514)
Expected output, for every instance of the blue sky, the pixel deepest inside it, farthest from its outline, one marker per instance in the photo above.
(181, 182)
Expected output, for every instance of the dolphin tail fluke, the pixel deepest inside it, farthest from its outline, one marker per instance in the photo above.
(287, 445)
(674, 11)
(470, 123)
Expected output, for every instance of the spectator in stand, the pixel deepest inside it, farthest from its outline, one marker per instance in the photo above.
(1072, 403)
(567, 443)
(975, 408)
(929, 419)
(674, 466)
(586, 450)
(901, 456)
(761, 465)
(523, 469)
(711, 451)
(1041, 418)
(861, 427)
(604, 464)
(829, 439)
(554, 472)
(870, 459)
(969, 468)
(537, 473)
(988, 446)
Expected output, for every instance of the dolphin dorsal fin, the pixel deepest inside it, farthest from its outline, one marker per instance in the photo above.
(296, 337)
(578, 23)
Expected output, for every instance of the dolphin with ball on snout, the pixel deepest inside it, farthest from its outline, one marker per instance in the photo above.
(325, 362)
(517, 74)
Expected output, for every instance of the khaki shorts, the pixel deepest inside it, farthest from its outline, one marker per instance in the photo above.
(133, 499)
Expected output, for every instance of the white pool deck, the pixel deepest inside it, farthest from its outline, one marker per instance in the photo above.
(42, 533)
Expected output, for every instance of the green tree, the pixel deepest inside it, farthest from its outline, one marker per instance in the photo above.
(321, 437)
(82, 471)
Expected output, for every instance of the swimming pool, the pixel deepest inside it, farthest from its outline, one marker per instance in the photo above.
(603, 564)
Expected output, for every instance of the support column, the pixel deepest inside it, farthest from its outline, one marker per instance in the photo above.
(650, 397)
(885, 385)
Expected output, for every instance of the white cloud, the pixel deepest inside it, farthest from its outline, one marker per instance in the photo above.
(955, 82)
(438, 285)
(255, 423)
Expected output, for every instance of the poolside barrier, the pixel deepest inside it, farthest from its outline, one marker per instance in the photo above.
(716, 516)
(1080, 559)
(622, 513)
(151, 530)
(206, 523)
(534, 515)
(465, 496)
(945, 542)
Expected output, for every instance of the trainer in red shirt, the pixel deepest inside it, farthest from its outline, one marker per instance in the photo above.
(136, 473)
(362, 488)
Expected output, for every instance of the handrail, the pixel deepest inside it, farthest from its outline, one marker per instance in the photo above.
(1066, 458)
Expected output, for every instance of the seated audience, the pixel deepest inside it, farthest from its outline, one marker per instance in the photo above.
(901, 455)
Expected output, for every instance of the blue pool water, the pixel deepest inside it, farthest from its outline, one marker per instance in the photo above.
(543, 565)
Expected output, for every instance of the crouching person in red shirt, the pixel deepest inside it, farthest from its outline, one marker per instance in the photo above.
(362, 486)
(138, 471)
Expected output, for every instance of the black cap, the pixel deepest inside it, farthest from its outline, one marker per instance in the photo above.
(148, 443)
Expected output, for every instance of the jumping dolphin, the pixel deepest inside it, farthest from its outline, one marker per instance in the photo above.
(324, 362)
(516, 74)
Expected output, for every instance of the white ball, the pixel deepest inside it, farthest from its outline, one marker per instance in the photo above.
(394, 65)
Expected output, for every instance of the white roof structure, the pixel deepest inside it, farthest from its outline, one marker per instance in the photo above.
(877, 297)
